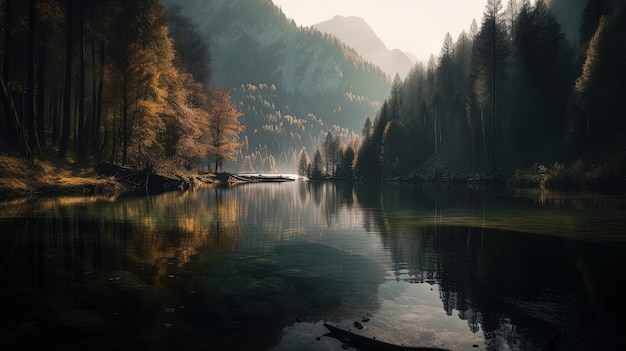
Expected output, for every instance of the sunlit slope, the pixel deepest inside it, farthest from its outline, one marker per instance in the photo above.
(293, 84)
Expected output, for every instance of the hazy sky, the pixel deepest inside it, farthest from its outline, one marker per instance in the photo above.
(416, 26)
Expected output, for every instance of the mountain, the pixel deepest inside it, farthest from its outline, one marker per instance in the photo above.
(293, 84)
(356, 33)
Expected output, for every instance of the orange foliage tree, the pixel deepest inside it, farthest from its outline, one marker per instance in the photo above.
(224, 129)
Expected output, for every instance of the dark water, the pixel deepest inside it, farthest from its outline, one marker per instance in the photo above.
(262, 266)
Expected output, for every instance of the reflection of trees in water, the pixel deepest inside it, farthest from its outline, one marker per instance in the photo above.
(156, 234)
(522, 291)
(100, 267)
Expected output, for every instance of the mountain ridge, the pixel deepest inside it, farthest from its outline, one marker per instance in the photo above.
(293, 84)
(355, 32)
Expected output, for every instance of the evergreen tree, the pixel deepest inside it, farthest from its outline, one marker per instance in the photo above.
(367, 127)
(332, 153)
(346, 165)
(491, 63)
(316, 166)
(304, 163)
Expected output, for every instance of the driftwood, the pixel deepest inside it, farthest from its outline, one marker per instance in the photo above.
(233, 179)
(114, 170)
(365, 343)
(145, 181)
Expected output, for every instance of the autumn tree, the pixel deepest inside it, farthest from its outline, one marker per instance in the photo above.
(599, 89)
(224, 128)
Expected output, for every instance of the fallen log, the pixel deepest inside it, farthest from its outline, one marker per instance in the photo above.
(145, 181)
(365, 343)
(113, 170)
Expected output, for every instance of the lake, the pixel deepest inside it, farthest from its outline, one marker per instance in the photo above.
(263, 266)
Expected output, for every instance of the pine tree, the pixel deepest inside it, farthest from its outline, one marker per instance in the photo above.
(304, 163)
(316, 166)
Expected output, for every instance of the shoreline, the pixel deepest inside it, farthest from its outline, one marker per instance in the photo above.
(23, 179)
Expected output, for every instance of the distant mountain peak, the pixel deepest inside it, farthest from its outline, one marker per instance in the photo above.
(356, 32)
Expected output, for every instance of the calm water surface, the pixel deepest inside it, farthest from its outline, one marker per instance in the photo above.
(262, 266)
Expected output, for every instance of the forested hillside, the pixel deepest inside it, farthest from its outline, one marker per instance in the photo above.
(109, 81)
(509, 93)
(292, 84)
(190, 84)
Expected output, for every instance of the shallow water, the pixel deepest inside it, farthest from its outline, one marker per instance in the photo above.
(262, 266)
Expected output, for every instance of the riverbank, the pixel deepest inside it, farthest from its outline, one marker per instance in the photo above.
(21, 178)
(604, 171)
(51, 176)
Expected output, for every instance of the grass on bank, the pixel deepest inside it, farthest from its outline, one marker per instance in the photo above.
(49, 174)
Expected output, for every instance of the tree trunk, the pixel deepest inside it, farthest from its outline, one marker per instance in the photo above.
(82, 135)
(493, 119)
(15, 119)
(100, 91)
(41, 86)
(6, 110)
(31, 127)
(67, 93)
(125, 122)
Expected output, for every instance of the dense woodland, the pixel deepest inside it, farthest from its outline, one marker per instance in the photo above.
(512, 87)
(128, 82)
(513, 84)
(123, 81)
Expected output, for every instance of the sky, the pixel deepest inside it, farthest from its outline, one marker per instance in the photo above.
(414, 26)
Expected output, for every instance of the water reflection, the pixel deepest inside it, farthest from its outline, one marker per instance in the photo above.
(259, 266)
(521, 291)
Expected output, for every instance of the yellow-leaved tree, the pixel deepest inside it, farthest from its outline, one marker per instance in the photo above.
(224, 129)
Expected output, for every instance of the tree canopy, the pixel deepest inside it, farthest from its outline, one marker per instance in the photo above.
(119, 81)
(509, 86)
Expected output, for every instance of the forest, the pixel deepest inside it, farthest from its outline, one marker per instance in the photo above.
(513, 87)
(512, 99)
(116, 81)
(127, 82)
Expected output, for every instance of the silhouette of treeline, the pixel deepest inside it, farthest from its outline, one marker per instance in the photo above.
(293, 84)
(111, 80)
(512, 87)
